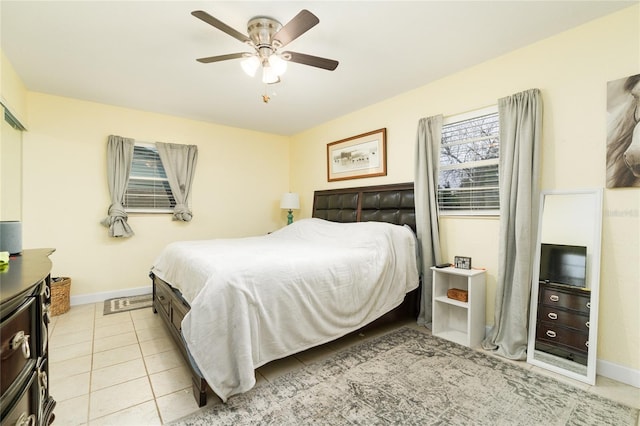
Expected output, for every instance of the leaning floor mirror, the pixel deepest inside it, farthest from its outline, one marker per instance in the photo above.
(563, 323)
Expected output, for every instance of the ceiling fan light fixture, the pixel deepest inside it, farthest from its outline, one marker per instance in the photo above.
(250, 65)
(267, 36)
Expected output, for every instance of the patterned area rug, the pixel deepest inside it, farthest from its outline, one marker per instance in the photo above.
(122, 304)
(411, 378)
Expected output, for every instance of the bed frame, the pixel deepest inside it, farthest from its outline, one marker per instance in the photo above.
(383, 203)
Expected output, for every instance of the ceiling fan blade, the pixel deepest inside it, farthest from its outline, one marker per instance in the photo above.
(300, 24)
(314, 61)
(201, 14)
(219, 58)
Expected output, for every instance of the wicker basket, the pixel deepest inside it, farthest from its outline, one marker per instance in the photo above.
(60, 289)
(458, 294)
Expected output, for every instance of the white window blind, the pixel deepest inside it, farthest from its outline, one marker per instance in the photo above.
(469, 155)
(148, 190)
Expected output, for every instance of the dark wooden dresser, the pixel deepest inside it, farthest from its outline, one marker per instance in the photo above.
(563, 321)
(25, 298)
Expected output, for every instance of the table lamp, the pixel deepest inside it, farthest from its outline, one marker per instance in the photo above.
(290, 201)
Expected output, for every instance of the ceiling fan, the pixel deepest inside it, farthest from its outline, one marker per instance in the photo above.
(267, 36)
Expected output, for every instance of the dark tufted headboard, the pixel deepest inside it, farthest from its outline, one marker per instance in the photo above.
(392, 203)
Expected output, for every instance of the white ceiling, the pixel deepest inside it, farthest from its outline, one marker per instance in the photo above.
(141, 54)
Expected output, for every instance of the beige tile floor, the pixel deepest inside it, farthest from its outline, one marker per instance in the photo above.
(124, 369)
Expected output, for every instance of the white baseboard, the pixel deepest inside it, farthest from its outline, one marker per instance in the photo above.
(618, 373)
(83, 299)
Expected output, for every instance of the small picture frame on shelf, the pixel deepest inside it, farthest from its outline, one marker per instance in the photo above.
(462, 262)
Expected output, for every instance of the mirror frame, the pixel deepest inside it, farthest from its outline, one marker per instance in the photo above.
(594, 281)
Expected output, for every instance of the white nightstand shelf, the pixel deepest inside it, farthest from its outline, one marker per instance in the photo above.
(460, 322)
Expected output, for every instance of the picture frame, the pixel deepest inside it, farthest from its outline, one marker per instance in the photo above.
(462, 262)
(357, 157)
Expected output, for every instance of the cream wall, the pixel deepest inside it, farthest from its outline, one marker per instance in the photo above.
(571, 70)
(13, 98)
(240, 176)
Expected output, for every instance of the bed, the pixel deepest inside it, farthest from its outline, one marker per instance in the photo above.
(267, 297)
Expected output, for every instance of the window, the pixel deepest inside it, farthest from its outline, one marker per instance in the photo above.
(148, 190)
(469, 154)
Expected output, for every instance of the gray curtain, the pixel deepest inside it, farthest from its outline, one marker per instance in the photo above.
(520, 131)
(428, 138)
(179, 162)
(119, 156)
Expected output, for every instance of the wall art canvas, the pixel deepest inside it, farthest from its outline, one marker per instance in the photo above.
(623, 132)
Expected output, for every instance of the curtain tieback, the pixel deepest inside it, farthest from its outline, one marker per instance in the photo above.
(182, 212)
(116, 212)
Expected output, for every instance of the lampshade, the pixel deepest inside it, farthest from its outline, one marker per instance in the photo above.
(278, 64)
(290, 201)
(269, 75)
(250, 65)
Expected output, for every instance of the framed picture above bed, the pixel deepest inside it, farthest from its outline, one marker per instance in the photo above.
(359, 156)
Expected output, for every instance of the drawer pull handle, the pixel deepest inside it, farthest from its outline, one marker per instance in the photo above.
(551, 333)
(554, 298)
(552, 315)
(43, 379)
(586, 343)
(46, 313)
(25, 420)
(21, 339)
(588, 305)
(47, 292)
(587, 323)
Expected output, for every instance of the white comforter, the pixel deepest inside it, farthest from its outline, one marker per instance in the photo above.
(257, 299)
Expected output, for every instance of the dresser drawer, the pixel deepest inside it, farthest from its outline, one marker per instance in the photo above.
(178, 311)
(163, 298)
(575, 301)
(24, 407)
(19, 343)
(564, 318)
(562, 352)
(562, 336)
